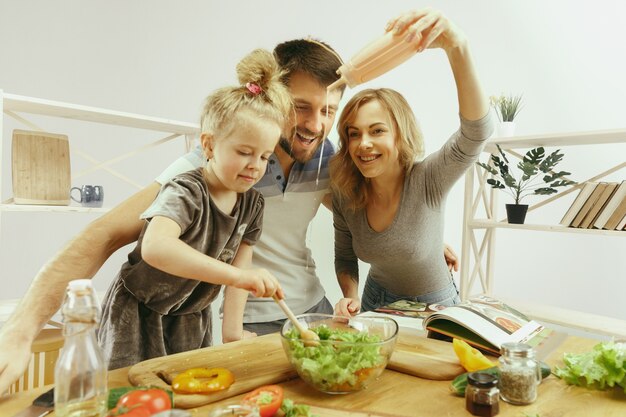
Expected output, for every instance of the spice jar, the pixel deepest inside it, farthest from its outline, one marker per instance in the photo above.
(520, 373)
(481, 394)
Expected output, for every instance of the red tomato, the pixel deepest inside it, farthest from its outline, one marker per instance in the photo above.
(138, 411)
(268, 399)
(153, 399)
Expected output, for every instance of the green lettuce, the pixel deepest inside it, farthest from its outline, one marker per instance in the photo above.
(330, 365)
(604, 366)
(292, 409)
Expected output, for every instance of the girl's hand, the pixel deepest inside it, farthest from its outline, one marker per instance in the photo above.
(259, 282)
(348, 307)
(436, 30)
(248, 335)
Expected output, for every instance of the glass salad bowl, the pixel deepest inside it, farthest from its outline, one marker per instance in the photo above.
(350, 354)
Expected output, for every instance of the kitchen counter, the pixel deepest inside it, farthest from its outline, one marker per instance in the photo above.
(404, 395)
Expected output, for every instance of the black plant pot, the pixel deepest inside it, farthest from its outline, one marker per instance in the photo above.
(516, 213)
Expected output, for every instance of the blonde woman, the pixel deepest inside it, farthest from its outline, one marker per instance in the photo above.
(200, 230)
(388, 202)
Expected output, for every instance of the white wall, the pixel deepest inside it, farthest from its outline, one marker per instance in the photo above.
(161, 58)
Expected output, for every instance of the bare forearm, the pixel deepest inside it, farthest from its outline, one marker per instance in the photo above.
(473, 104)
(349, 285)
(82, 257)
(234, 305)
(171, 255)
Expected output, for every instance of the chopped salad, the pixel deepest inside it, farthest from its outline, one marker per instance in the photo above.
(336, 367)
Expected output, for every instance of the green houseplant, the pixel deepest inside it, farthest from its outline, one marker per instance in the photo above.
(537, 177)
(506, 108)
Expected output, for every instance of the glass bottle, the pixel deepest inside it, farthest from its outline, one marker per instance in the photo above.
(376, 58)
(520, 373)
(81, 371)
(481, 394)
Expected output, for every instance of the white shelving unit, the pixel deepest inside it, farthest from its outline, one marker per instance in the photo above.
(17, 107)
(478, 254)
(20, 108)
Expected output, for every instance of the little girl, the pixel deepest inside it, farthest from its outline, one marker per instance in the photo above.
(201, 228)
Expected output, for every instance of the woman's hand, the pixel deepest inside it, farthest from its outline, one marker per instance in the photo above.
(451, 259)
(436, 30)
(348, 307)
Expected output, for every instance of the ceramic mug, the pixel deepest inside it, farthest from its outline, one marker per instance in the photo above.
(90, 195)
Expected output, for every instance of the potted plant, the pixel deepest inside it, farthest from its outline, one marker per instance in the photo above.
(507, 108)
(534, 164)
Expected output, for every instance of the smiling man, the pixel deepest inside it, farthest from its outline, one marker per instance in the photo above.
(295, 184)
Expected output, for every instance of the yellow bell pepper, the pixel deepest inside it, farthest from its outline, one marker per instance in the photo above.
(202, 380)
(471, 359)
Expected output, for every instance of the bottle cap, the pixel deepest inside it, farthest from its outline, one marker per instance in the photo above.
(80, 284)
(482, 379)
(339, 83)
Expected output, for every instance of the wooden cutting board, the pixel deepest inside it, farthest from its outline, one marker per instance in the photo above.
(336, 412)
(261, 361)
(419, 356)
(40, 168)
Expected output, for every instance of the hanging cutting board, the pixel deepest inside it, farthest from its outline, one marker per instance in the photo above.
(261, 361)
(40, 168)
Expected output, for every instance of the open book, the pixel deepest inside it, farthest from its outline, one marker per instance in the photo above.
(485, 323)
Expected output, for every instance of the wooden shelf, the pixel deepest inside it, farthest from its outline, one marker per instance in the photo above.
(48, 209)
(479, 234)
(597, 137)
(13, 104)
(492, 224)
(16, 103)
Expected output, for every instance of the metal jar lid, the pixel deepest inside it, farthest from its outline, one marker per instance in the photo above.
(517, 350)
(482, 379)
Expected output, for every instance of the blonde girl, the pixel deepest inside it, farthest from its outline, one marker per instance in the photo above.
(201, 228)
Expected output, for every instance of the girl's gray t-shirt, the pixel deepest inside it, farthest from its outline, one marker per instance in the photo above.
(148, 312)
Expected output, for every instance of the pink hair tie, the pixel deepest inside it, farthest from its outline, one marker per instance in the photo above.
(254, 88)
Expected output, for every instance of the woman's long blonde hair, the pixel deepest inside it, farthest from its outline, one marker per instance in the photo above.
(261, 91)
(346, 179)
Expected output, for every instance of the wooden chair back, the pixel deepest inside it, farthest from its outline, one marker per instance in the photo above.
(45, 352)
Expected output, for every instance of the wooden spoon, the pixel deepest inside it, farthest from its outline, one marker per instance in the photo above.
(309, 337)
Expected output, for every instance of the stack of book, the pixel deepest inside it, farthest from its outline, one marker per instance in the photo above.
(599, 205)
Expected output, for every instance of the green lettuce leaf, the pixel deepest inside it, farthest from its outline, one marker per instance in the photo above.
(604, 366)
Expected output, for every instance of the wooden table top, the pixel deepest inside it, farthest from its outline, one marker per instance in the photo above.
(404, 395)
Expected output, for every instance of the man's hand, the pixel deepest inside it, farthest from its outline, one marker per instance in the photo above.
(14, 358)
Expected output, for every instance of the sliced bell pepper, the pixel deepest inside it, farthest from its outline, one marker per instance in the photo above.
(471, 359)
(202, 380)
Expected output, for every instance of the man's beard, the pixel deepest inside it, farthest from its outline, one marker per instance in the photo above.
(301, 155)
